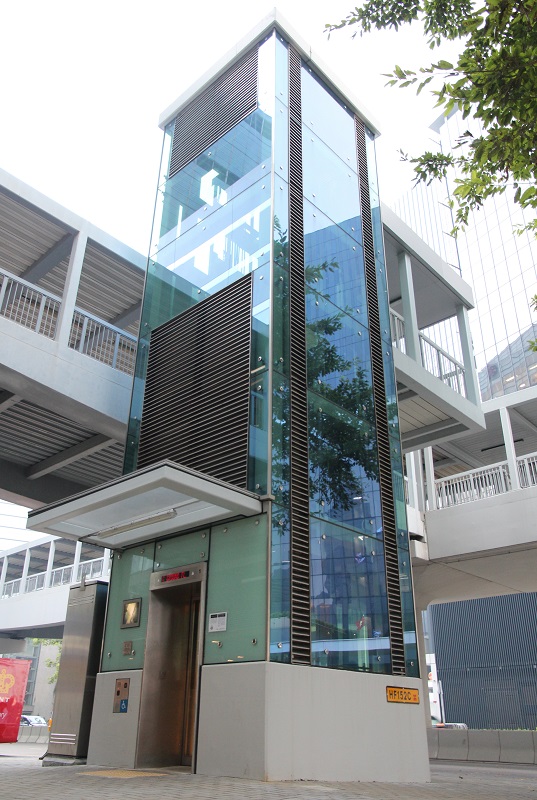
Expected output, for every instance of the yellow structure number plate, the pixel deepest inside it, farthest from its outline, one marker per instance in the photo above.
(398, 694)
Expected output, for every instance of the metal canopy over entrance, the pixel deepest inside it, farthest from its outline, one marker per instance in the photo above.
(159, 500)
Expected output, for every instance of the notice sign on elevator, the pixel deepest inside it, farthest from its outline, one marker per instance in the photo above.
(398, 694)
(218, 622)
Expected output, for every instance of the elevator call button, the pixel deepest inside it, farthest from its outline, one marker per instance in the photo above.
(121, 696)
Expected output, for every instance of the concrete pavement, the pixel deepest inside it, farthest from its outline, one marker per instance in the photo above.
(22, 777)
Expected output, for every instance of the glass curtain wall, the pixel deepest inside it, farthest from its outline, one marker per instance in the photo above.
(213, 225)
(396, 454)
(349, 610)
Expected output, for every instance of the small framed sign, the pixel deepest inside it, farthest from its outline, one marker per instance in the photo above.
(131, 613)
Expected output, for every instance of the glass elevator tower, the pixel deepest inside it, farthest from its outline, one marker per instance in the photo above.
(265, 356)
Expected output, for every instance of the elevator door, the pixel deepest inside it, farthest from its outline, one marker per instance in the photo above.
(170, 682)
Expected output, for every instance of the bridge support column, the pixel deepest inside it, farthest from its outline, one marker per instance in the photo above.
(470, 375)
(408, 301)
(26, 567)
(429, 476)
(50, 564)
(70, 291)
(3, 576)
(414, 471)
(424, 672)
(76, 562)
(509, 447)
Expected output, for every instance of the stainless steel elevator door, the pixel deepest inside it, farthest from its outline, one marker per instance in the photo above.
(170, 680)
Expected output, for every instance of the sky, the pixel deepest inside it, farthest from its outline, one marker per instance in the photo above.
(83, 86)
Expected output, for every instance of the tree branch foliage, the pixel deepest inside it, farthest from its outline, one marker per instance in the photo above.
(493, 84)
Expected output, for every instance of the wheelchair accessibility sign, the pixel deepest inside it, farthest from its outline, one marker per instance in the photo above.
(121, 696)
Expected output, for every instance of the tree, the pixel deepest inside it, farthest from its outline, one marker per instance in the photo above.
(52, 663)
(493, 84)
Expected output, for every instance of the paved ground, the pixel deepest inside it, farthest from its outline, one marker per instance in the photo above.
(22, 777)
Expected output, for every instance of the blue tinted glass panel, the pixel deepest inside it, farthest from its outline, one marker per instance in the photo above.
(407, 607)
(260, 318)
(334, 263)
(330, 184)
(343, 466)
(258, 438)
(349, 610)
(226, 245)
(280, 439)
(280, 586)
(328, 119)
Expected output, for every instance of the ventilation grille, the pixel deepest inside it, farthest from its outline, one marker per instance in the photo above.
(299, 467)
(197, 387)
(215, 112)
(381, 416)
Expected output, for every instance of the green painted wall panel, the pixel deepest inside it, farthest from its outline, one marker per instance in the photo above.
(130, 579)
(187, 549)
(237, 584)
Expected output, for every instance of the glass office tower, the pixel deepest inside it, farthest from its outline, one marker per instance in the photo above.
(265, 354)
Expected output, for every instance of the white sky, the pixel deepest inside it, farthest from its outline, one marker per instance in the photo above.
(83, 85)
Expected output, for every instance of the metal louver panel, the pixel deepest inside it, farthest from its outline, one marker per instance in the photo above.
(219, 108)
(299, 467)
(197, 390)
(381, 416)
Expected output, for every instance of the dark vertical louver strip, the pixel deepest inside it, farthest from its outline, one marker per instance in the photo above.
(197, 392)
(219, 108)
(299, 466)
(381, 416)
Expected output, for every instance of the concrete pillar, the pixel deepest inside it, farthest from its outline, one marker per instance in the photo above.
(3, 575)
(25, 569)
(509, 447)
(408, 301)
(418, 472)
(50, 564)
(429, 477)
(470, 374)
(76, 562)
(424, 673)
(106, 562)
(70, 291)
(411, 480)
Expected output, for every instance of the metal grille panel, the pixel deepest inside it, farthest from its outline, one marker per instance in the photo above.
(299, 467)
(197, 389)
(381, 416)
(216, 111)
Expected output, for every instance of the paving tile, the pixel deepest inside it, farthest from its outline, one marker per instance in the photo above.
(22, 777)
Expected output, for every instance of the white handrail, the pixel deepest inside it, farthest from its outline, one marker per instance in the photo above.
(434, 358)
(38, 310)
(475, 484)
(95, 568)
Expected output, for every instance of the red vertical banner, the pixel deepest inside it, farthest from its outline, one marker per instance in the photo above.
(13, 680)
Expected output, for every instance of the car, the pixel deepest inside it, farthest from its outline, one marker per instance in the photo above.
(457, 725)
(27, 719)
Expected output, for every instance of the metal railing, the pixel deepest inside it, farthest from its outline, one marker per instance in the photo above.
(478, 484)
(527, 470)
(433, 357)
(12, 588)
(90, 569)
(106, 343)
(397, 330)
(60, 576)
(442, 365)
(33, 308)
(475, 484)
(28, 306)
